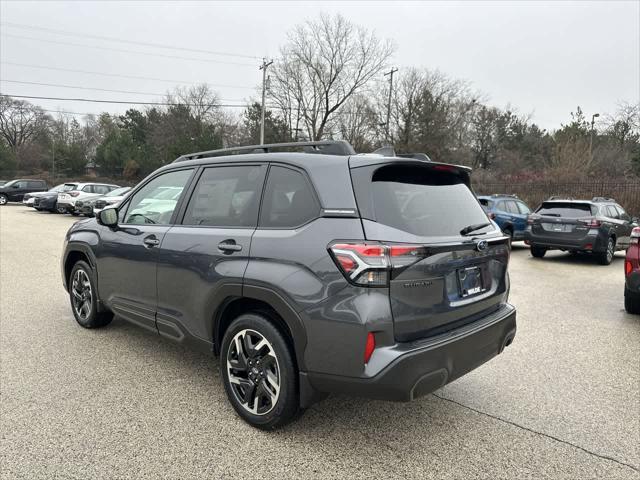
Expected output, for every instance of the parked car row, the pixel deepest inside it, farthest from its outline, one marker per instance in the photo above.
(76, 198)
(598, 227)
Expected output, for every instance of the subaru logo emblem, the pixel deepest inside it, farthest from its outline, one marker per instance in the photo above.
(482, 245)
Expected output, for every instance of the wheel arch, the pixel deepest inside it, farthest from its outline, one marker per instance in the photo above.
(75, 252)
(270, 304)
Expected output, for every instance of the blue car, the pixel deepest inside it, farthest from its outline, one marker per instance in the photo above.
(509, 212)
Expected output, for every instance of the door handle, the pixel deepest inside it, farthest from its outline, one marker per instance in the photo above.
(151, 241)
(229, 246)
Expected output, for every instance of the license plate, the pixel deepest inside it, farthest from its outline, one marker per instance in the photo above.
(470, 281)
(557, 227)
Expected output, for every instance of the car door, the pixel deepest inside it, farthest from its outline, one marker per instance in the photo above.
(127, 255)
(624, 232)
(203, 258)
(523, 214)
(17, 191)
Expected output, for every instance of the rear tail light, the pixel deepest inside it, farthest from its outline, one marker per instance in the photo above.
(370, 264)
(592, 223)
(74, 194)
(635, 235)
(628, 267)
(369, 347)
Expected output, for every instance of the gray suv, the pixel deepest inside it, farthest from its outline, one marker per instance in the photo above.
(599, 226)
(307, 272)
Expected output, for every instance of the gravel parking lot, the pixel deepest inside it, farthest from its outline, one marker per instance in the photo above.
(562, 402)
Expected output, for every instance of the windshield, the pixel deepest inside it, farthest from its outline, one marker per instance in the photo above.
(118, 191)
(9, 183)
(424, 202)
(565, 209)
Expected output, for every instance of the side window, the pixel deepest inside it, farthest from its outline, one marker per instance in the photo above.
(101, 189)
(512, 207)
(501, 206)
(87, 189)
(34, 185)
(612, 212)
(155, 202)
(22, 184)
(226, 197)
(288, 200)
(523, 208)
(622, 214)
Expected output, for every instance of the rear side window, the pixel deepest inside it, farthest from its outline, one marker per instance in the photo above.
(288, 201)
(88, 188)
(523, 208)
(421, 201)
(226, 197)
(35, 184)
(612, 212)
(102, 189)
(512, 207)
(566, 209)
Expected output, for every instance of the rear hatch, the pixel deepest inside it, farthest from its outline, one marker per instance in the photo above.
(440, 278)
(560, 221)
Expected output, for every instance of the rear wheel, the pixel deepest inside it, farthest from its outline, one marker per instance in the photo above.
(631, 302)
(606, 257)
(59, 209)
(84, 302)
(538, 252)
(258, 372)
(509, 233)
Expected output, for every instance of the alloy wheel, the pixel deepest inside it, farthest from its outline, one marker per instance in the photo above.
(82, 295)
(610, 250)
(253, 372)
(3, 200)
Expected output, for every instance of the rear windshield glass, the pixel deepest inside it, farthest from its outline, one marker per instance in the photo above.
(485, 203)
(567, 210)
(424, 202)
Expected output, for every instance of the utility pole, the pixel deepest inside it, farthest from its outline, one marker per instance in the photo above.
(263, 67)
(53, 160)
(390, 73)
(593, 121)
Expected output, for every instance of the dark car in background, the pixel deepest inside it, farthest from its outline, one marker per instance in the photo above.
(308, 273)
(30, 198)
(632, 274)
(599, 226)
(15, 190)
(509, 212)
(48, 201)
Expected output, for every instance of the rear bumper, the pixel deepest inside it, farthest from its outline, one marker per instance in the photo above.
(590, 242)
(421, 367)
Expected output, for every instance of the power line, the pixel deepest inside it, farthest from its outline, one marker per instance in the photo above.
(134, 77)
(120, 40)
(122, 102)
(77, 87)
(128, 51)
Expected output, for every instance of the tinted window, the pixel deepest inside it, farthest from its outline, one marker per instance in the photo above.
(485, 203)
(424, 202)
(22, 184)
(288, 200)
(566, 209)
(523, 208)
(145, 207)
(35, 185)
(226, 197)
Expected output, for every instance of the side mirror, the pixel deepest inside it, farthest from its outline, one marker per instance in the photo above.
(108, 217)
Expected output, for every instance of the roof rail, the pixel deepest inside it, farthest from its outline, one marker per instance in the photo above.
(602, 199)
(327, 147)
(560, 197)
(504, 195)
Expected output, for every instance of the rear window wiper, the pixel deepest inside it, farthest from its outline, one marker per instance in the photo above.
(550, 214)
(473, 228)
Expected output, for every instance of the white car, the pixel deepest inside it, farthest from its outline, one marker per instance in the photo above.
(111, 199)
(84, 191)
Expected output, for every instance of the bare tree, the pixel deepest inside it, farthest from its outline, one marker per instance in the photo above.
(203, 103)
(322, 65)
(20, 121)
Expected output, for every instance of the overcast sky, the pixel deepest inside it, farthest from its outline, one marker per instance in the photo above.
(542, 58)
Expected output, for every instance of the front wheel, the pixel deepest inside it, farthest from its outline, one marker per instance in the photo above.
(82, 294)
(60, 209)
(258, 372)
(606, 257)
(3, 199)
(538, 252)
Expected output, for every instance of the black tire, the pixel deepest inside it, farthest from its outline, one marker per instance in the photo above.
(538, 252)
(59, 209)
(509, 233)
(631, 302)
(3, 199)
(75, 214)
(87, 316)
(606, 257)
(255, 381)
